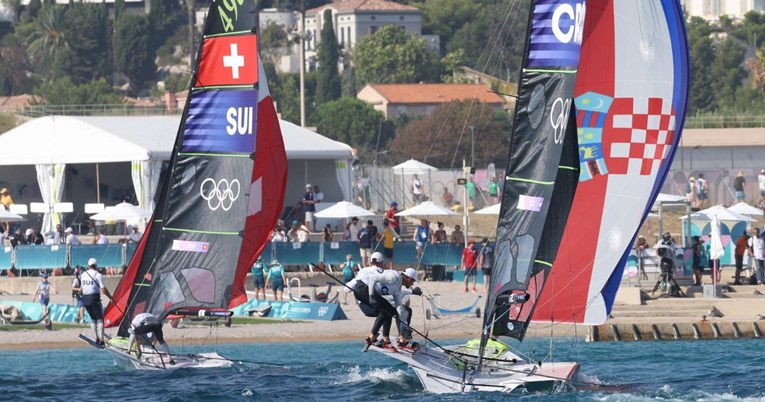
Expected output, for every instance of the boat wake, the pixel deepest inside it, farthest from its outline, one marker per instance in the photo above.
(375, 376)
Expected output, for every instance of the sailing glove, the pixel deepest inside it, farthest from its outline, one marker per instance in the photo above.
(417, 291)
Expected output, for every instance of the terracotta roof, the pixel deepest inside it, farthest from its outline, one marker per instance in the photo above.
(14, 103)
(363, 5)
(435, 93)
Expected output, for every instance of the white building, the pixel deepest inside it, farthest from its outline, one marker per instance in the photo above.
(711, 10)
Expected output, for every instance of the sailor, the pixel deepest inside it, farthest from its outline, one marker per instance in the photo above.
(258, 278)
(370, 286)
(92, 285)
(146, 330)
(405, 313)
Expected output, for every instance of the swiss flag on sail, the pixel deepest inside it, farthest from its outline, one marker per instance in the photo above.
(228, 60)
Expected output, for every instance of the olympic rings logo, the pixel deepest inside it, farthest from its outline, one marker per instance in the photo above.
(221, 194)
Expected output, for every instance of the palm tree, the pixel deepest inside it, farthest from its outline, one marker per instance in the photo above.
(48, 41)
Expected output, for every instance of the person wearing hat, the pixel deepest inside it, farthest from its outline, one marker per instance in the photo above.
(135, 235)
(92, 286)
(738, 186)
(309, 206)
(405, 313)
(391, 218)
(277, 279)
(6, 201)
(43, 290)
(370, 287)
(77, 294)
(71, 238)
(470, 264)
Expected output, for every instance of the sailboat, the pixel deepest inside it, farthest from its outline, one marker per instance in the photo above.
(601, 104)
(222, 197)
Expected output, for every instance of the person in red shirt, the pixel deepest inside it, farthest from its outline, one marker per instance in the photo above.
(469, 259)
(742, 247)
(390, 216)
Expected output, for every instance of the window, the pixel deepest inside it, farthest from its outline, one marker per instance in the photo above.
(373, 29)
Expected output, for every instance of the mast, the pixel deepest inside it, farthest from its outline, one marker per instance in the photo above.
(540, 129)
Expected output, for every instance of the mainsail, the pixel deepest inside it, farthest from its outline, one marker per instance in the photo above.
(630, 97)
(225, 186)
(532, 215)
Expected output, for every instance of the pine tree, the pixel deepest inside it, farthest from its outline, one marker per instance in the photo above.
(328, 83)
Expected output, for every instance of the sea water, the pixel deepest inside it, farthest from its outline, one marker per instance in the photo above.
(709, 370)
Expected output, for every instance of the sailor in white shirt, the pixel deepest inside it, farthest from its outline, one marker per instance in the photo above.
(146, 330)
(370, 287)
(92, 285)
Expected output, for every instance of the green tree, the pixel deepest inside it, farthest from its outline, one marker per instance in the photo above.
(702, 96)
(443, 139)
(351, 121)
(89, 31)
(273, 41)
(119, 8)
(728, 71)
(14, 77)
(391, 55)
(287, 97)
(7, 121)
(63, 92)
(133, 55)
(48, 40)
(328, 85)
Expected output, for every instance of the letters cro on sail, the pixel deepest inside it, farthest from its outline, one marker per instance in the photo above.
(630, 97)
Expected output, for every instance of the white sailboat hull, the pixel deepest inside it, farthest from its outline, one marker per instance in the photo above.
(438, 374)
(151, 360)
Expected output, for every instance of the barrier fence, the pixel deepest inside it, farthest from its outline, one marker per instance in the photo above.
(34, 257)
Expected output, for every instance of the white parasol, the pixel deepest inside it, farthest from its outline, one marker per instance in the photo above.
(123, 211)
(722, 213)
(716, 250)
(6, 216)
(746, 209)
(343, 209)
(413, 166)
(490, 210)
(426, 208)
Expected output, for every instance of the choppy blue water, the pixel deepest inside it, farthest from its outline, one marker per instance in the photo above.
(636, 371)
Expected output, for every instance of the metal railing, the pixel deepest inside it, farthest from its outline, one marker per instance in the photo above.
(723, 121)
(96, 110)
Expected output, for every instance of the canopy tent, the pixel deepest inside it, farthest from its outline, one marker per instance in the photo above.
(146, 142)
(343, 210)
(492, 210)
(664, 200)
(746, 209)
(427, 208)
(722, 213)
(415, 167)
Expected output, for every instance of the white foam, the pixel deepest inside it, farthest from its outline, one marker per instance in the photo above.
(375, 375)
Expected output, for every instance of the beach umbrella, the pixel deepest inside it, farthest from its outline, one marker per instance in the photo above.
(664, 197)
(6, 216)
(722, 213)
(490, 210)
(123, 211)
(413, 166)
(343, 209)
(427, 208)
(745, 209)
(716, 250)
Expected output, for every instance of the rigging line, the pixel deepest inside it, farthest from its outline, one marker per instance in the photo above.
(396, 316)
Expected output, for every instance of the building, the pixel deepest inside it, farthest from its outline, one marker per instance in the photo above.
(712, 10)
(421, 99)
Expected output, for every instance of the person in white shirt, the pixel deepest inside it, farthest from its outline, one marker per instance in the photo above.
(71, 238)
(92, 285)
(417, 189)
(101, 237)
(761, 184)
(135, 235)
(370, 287)
(146, 330)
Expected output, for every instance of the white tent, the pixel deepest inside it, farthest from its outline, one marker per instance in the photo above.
(722, 213)
(746, 209)
(413, 167)
(50, 143)
(490, 210)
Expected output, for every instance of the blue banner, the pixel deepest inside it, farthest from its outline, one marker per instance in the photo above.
(295, 310)
(556, 33)
(221, 121)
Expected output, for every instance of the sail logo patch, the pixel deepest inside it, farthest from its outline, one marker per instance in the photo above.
(228, 60)
(193, 246)
(559, 118)
(556, 33)
(530, 203)
(220, 194)
(221, 121)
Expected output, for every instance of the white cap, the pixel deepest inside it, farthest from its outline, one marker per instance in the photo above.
(92, 262)
(308, 185)
(28, 232)
(68, 230)
(377, 257)
(412, 273)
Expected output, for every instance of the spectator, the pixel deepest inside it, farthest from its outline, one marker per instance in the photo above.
(101, 237)
(308, 206)
(17, 238)
(368, 236)
(761, 185)
(690, 191)
(422, 237)
(758, 250)
(391, 218)
(387, 238)
(738, 186)
(43, 290)
(702, 191)
(416, 189)
(469, 264)
(6, 201)
(439, 236)
(135, 235)
(77, 294)
(698, 263)
(640, 248)
(328, 235)
(352, 230)
(486, 261)
(318, 196)
(470, 188)
(349, 272)
(447, 198)
(71, 238)
(458, 237)
(33, 237)
(259, 279)
(298, 232)
(742, 247)
(494, 190)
